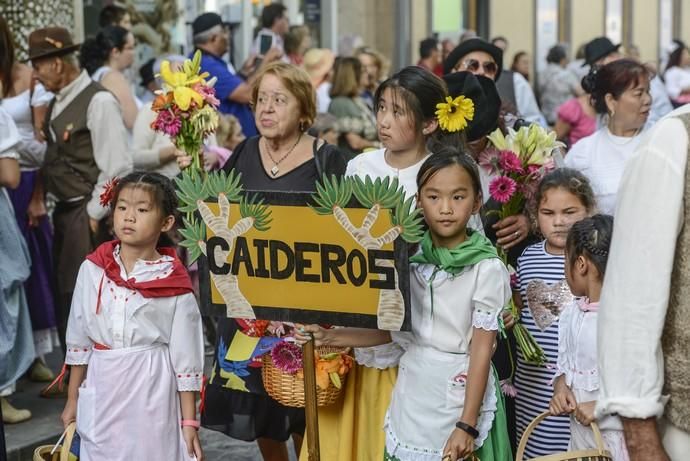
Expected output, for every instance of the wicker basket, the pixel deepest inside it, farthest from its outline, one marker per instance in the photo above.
(289, 389)
(594, 454)
(61, 452)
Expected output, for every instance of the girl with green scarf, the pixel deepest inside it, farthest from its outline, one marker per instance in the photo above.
(446, 404)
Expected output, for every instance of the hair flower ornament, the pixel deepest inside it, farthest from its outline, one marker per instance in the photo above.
(108, 193)
(454, 114)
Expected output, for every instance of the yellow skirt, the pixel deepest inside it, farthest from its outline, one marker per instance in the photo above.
(352, 428)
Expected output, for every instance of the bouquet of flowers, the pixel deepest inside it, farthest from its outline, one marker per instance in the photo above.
(518, 162)
(186, 108)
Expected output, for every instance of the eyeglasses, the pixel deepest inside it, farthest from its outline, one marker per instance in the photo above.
(472, 65)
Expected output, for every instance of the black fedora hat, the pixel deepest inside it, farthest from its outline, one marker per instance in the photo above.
(598, 48)
(50, 41)
(487, 103)
(470, 45)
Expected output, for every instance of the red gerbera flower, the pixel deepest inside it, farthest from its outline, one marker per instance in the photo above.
(108, 193)
(287, 357)
(502, 189)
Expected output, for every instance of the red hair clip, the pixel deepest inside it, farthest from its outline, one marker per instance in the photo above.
(109, 191)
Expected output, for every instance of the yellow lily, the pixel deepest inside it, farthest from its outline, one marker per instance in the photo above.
(180, 83)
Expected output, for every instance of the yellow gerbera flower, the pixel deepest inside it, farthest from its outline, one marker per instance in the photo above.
(454, 114)
(180, 82)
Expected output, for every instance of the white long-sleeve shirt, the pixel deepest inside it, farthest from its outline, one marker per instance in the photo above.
(525, 100)
(127, 319)
(649, 216)
(108, 136)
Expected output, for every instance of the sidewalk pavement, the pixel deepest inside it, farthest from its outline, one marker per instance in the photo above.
(45, 427)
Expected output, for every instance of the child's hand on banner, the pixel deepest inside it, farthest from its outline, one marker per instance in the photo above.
(305, 333)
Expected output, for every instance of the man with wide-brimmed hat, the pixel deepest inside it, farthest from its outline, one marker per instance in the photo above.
(86, 147)
(482, 58)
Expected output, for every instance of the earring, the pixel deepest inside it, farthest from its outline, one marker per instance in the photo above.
(301, 126)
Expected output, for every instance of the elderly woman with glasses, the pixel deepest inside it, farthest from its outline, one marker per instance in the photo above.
(283, 158)
(482, 58)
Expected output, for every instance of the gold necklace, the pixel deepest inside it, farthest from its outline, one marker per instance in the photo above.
(275, 169)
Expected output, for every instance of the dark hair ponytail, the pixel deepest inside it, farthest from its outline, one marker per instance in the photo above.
(161, 189)
(591, 238)
(420, 91)
(96, 51)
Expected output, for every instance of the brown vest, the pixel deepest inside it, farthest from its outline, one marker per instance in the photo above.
(675, 339)
(70, 170)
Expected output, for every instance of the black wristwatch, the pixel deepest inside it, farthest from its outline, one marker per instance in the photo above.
(467, 428)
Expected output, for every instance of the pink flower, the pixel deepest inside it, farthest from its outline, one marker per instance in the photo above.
(209, 94)
(508, 389)
(529, 189)
(287, 357)
(166, 122)
(509, 162)
(514, 284)
(489, 160)
(502, 189)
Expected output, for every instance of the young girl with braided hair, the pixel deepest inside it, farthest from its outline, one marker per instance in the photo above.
(134, 338)
(576, 386)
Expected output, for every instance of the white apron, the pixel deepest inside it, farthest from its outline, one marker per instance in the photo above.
(427, 401)
(128, 407)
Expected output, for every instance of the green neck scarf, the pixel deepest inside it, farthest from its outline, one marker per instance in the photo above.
(474, 249)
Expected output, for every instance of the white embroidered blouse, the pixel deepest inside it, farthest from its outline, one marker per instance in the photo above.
(127, 319)
(577, 348)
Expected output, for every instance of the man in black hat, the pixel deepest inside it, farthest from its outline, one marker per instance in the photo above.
(482, 58)
(211, 36)
(601, 51)
(86, 147)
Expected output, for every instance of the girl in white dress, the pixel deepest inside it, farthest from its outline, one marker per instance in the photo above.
(134, 336)
(576, 387)
(445, 403)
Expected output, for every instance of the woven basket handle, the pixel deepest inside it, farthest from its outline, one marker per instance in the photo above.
(520, 456)
(67, 441)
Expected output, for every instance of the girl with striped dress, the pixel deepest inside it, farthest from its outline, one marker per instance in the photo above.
(564, 197)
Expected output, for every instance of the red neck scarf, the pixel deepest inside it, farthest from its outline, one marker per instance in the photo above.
(177, 283)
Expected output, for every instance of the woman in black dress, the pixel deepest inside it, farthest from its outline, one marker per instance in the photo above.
(282, 158)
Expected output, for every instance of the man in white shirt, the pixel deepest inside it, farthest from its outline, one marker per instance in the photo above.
(640, 330)
(86, 139)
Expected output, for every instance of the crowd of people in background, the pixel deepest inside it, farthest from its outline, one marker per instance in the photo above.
(80, 115)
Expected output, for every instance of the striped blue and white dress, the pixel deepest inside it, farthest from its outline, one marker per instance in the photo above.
(534, 383)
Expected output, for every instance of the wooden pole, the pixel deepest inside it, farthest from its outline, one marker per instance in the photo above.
(311, 408)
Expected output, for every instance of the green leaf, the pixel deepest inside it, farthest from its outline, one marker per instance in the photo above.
(254, 207)
(335, 379)
(218, 182)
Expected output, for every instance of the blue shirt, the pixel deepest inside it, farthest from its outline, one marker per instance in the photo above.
(226, 83)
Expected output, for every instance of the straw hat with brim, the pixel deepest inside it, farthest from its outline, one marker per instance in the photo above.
(487, 103)
(470, 45)
(598, 48)
(318, 62)
(49, 42)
